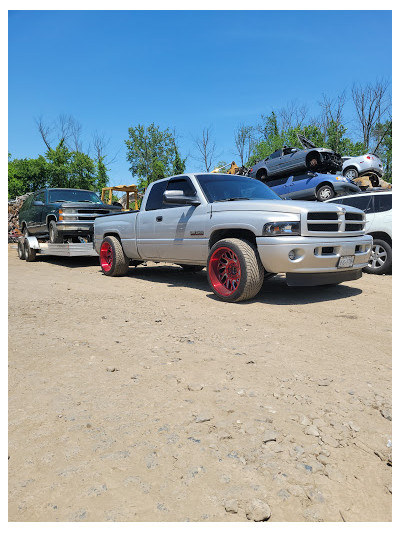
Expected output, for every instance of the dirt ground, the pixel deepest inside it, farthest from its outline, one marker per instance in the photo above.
(145, 398)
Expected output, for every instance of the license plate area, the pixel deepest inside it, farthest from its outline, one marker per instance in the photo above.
(346, 261)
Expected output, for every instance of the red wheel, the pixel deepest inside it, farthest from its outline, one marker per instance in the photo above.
(224, 271)
(113, 260)
(234, 270)
(106, 256)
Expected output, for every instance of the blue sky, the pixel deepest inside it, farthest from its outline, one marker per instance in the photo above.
(182, 69)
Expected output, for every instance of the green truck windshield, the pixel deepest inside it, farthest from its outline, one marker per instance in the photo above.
(73, 195)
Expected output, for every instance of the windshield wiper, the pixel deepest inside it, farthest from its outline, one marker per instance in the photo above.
(233, 199)
(63, 200)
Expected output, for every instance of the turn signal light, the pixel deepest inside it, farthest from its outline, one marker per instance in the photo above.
(60, 214)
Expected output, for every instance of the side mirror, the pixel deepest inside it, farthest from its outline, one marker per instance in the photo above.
(293, 150)
(37, 202)
(177, 197)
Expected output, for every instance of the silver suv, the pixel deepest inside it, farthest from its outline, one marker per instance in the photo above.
(353, 167)
(377, 205)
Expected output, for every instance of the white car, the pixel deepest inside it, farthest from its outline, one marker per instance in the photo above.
(377, 205)
(353, 167)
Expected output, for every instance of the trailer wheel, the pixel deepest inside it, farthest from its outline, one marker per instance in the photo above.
(30, 253)
(55, 237)
(234, 270)
(113, 260)
(21, 249)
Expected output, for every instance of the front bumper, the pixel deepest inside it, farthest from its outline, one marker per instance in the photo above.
(345, 187)
(75, 227)
(312, 254)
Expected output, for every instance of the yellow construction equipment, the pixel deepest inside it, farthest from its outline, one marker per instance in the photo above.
(120, 188)
(233, 169)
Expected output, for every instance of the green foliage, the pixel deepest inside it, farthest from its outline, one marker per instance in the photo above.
(382, 134)
(334, 138)
(179, 164)
(153, 154)
(59, 168)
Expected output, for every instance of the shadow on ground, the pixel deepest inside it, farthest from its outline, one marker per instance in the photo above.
(274, 291)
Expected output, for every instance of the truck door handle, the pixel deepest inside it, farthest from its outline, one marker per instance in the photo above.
(158, 219)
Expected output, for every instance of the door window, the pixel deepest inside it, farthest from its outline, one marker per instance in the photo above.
(301, 177)
(383, 202)
(361, 202)
(39, 197)
(155, 199)
(278, 181)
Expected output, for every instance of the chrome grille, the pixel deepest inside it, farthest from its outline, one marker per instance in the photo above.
(334, 222)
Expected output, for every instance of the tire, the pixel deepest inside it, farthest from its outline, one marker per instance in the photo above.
(30, 253)
(54, 235)
(262, 175)
(381, 258)
(113, 260)
(351, 173)
(21, 249)
(313, 162)
(325, 193)
(191, 268)
(25, 231)
(234, 270)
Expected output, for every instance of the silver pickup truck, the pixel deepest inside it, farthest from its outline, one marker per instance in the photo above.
(239, 230)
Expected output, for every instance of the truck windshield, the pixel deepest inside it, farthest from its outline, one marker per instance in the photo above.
(73, 195)
(225, 187)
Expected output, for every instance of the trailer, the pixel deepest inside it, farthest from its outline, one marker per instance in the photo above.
(29, 247)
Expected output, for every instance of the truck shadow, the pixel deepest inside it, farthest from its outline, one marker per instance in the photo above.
(69, 262)
(274, 291)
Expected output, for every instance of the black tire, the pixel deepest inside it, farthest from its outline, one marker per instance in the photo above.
(54, 235)
(21, 249)
(262, 175)
(313, 161)
(234, 270)
(381, 258)
(25, 231)
(325, 193)
(351, 173)
(374, 179)
(191, 268)
(30, 253)
(113, 260)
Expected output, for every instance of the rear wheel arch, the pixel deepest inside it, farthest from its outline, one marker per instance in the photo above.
(112, 234)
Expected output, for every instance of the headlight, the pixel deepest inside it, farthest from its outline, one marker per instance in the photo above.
(281, 228)
(67, 214)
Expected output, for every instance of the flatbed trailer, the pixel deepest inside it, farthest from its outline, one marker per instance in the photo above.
(29, 247)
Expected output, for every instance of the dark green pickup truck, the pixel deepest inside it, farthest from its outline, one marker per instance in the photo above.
(62, 213)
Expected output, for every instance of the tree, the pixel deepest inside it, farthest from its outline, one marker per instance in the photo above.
(244, 142)
(206, 148)
(151, 153)
(382, 135)
(371, 105)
